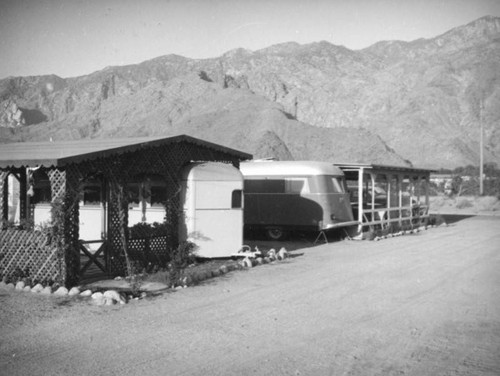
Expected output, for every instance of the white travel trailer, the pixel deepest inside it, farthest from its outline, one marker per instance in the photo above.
(212, 202)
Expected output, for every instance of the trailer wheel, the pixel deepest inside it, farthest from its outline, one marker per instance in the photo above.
(275, 233)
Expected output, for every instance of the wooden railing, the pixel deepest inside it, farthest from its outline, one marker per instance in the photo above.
(93, 256)
(406, 216)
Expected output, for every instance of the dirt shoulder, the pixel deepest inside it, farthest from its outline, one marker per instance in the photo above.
(415, 305)
(465, 205)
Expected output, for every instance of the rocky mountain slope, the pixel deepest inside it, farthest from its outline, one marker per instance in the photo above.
(394, 102)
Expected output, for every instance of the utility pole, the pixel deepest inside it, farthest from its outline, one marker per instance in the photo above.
(481, 157)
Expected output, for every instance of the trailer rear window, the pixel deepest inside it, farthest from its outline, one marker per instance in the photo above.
(292, 185)
(265, 186)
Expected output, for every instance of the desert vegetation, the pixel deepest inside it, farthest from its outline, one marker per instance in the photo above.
(464, 181)
(459, 190)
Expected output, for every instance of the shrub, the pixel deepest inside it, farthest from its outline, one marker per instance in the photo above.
(148, 230)
(463, 203)
(488, 203)
(437, 202)
(181, 257)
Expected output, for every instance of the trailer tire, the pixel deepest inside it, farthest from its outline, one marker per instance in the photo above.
(275, 233)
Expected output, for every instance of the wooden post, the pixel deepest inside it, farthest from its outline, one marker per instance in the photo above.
(4, 208)
(23, 196)
(481, 147)
(400, 201)
(360, 200)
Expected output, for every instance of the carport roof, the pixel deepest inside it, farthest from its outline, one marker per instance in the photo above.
(61, 153)
(379, 167)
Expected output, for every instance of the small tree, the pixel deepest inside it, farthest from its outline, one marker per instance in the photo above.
(456, 185)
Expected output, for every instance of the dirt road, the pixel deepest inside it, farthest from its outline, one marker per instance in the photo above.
(425, 304)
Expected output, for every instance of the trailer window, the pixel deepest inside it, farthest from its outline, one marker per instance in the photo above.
(42, 191)
(335, 184)
(156, 189)
(147, 191)
(292, 185)
(134, 196)
(236, 200)
(92, 194)
(265, 186)
(296, 185)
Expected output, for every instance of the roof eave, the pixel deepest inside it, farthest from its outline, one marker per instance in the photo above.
(383, 167)
(28, 163)
(106, 153)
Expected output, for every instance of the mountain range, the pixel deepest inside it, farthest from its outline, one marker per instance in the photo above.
(418, 103)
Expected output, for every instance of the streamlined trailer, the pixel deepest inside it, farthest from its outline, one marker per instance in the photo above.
(284, 196)
(211, 194)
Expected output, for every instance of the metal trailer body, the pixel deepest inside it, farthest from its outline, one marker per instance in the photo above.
(283, 196)
(212, 216)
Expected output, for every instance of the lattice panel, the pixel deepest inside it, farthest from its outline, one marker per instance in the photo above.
(154, 250)
(57, 183)
(26, 249)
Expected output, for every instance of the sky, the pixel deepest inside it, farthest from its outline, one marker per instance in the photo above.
(72, 38)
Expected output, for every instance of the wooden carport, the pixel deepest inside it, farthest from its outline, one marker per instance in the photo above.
(387, 199)
(55, 254)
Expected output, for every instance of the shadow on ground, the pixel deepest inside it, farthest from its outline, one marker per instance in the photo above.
(454, 218)
(295, 241)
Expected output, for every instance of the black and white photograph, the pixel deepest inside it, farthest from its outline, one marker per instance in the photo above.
(250, 187)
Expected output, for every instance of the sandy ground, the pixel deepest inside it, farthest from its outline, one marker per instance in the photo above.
(465, 205)
(424, 304)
